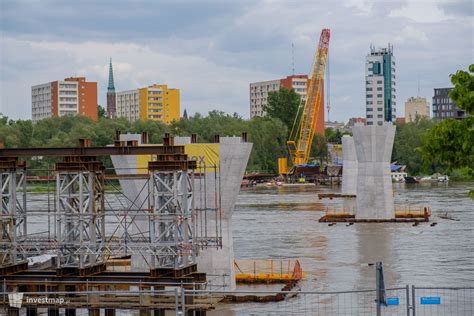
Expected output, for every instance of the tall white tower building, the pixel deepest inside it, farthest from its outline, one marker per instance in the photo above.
(380, 86)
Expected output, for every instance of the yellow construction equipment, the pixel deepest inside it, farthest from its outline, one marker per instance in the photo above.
(299, 144)
(268, 271)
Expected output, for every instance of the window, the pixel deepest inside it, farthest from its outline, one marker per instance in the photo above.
(370, 116)
(379, 95)
(379, 88)
(380, 116)
(369, 96)
(379, 109)
(379, 102)
(370, 123)
(369, 102)
(369, 89)
(370, 109)
(379, 81)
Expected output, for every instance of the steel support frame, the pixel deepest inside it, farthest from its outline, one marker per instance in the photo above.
(13, 219)
(171, 219)
(80, 218)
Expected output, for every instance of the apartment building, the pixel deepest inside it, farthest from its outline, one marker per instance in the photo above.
(416, 107)
(380, 86)
(444, 107)
(259, 91)
(71, 96)
(156, 102)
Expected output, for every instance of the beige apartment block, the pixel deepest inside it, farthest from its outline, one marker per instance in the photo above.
(416, 106)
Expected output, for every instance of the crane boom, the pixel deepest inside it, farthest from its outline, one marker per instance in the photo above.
(300, 146)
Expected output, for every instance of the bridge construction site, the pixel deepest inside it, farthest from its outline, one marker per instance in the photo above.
(71, 245)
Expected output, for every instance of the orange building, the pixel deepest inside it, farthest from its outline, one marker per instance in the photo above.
(72, 96)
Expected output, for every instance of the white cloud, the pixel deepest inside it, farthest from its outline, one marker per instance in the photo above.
(213, 59)
(204, 84)
(411, 33)
(421, 11)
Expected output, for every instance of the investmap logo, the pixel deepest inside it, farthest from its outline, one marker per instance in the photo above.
(16, 300)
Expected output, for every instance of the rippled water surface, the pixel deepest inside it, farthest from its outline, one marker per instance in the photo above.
(282, 222)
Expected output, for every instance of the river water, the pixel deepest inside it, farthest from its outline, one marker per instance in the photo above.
(282, 222)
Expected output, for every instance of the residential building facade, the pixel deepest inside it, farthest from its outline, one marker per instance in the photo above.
(71, 96)
(380, 86)
(444, 107)
(111, 102)
(356, 120)
(259, 95)
(156, 103)
(416, 107)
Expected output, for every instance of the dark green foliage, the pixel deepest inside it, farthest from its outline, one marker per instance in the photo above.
(283, 105)
(333, 136)
(101, 113)
(408, 138)
(319, 149)
(463, 91)
(450, 143)
(268, 135)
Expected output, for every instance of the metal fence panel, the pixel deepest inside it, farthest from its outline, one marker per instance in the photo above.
(457, 301)
(310, 303)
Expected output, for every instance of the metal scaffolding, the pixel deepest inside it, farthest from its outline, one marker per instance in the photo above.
(174, 214)
(13, 221)
(80, 213)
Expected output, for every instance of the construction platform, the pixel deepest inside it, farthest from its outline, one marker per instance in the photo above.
(402, 215)
(268, 271)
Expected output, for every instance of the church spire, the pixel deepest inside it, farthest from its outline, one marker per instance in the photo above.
(111, 106)
(111, 87)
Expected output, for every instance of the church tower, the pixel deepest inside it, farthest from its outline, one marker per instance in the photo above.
(111, 109)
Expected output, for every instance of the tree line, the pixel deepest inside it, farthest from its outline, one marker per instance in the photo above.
(426, 146)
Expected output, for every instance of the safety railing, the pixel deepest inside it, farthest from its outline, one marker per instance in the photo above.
(410, 301)
(442, 301)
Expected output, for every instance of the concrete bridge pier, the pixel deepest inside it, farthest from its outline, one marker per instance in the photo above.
(373, 145)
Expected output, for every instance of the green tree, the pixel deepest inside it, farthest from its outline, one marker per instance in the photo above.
(101, 113)
(319, 149)
(333, 136)
(463, 91)
(450, 142)
(408, 138)
(283, 105)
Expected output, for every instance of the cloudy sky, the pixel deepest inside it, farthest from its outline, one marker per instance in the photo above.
(212, 50)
